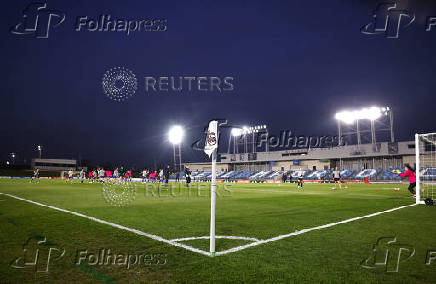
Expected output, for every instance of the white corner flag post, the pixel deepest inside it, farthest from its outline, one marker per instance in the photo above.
(210, 148)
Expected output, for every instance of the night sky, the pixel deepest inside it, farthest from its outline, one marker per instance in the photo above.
(294, 63)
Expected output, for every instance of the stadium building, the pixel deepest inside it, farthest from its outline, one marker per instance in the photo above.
(363, 156)
(54, 164)
(365, 160)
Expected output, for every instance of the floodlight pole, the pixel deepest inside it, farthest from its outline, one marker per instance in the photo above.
(174, 157)
(180, 158)
(212, 205)
(358, 132)
(267, 141)
(391, 121)
(230, 143)
(373, 139)
(339, 132)
(234, 144)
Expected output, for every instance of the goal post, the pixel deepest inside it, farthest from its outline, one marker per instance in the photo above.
(425, 154)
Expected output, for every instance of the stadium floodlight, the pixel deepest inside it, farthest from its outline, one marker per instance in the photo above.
(39, 148)
(370, 113)
(175, 134)
(7, 162)
(236, 132)
(13, 158)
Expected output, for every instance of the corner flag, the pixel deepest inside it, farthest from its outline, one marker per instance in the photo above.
(210, 148)
(211, 138)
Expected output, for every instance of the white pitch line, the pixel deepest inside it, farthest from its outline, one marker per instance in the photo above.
(154, 237)
(174, 242)
(217, 237)
(235, 249)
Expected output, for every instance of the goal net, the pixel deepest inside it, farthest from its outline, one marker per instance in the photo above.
(425, 145)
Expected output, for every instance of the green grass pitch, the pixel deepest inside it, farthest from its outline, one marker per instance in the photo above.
(256, 211)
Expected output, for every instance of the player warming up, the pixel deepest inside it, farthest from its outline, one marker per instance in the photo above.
(82, 175)
(410, 173)
(337, 178)
(35, 176)
(188, 176)
(70, 176)
(300, 179)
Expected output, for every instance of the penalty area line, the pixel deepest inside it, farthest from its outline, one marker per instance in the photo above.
(151, 236)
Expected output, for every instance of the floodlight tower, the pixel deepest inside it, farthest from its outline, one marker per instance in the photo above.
(39, 148)
(244, 133)
(375, 115)
(175, 136)
(236, 132)
(13, 158)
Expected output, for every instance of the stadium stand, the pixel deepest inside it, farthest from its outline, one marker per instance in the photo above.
(388, 175)
(428, 173)
(317, 175)
(346, 174)
(367, 173)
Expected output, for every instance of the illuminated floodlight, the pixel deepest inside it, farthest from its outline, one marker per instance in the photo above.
(371, 113)
(175, 135)
(345, 116)
(39, 147)
(7, 162)
(236, 132)
(247, 130)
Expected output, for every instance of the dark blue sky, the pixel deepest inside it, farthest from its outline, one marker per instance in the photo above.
(294, 64)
